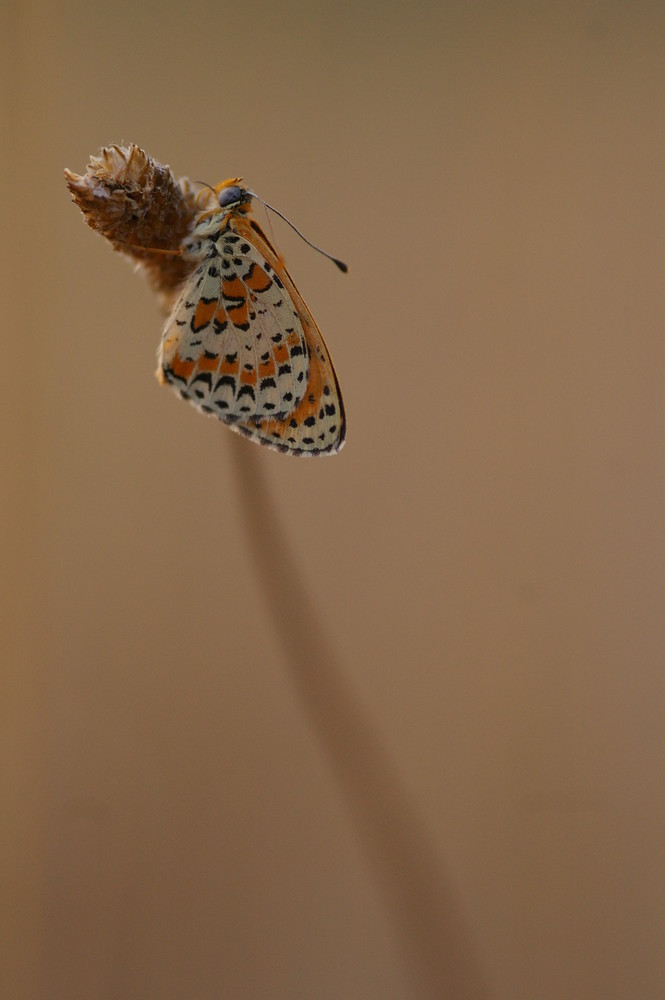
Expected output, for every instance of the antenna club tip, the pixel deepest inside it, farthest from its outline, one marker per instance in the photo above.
(340, 263)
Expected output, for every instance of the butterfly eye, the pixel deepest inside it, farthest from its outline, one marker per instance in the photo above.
(229, 195)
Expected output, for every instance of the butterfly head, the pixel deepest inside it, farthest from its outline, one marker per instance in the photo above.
(232, 196)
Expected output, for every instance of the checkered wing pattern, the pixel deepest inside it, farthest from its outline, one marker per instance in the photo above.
(242, 345)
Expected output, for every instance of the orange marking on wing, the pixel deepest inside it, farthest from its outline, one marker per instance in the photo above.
(205, 364)
(229, 367)
(273, 427)
(182, 368)
(220, 315)
(248, 378)
(267, 368)
(281, 353)
(293, 339)
(310, 403)
(204, 313)
(233, 289)
(258, 280)
(239, 315)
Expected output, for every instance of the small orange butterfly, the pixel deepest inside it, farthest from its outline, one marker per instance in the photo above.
(242, 345)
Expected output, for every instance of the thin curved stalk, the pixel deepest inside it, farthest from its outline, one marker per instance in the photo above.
(431, 928)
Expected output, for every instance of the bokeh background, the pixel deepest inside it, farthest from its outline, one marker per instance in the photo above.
(430, 760)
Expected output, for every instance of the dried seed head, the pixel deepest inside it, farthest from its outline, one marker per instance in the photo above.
(134, 202)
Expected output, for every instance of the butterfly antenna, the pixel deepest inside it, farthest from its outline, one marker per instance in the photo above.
(340, 263)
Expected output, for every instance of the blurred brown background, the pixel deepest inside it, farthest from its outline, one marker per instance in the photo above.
(486, 557)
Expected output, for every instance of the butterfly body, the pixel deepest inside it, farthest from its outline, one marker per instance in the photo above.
(241, 344)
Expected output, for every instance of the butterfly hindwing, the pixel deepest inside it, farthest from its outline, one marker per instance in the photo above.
(241, 344)
(232, 345)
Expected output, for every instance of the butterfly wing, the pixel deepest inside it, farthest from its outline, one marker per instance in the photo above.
(232, 346)
(317, 424)
(242, 345)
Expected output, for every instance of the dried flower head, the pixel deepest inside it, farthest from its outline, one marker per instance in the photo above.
(136, 202)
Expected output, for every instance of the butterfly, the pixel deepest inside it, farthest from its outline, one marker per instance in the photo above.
(240, 343)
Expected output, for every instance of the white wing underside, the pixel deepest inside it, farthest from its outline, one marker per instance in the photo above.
(233, 345)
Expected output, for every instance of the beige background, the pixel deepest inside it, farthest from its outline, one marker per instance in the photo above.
(388, 725)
